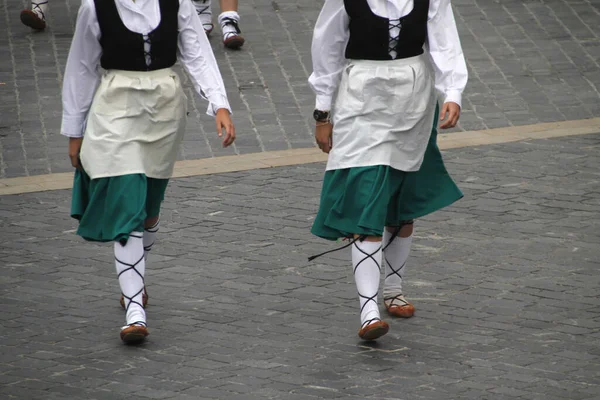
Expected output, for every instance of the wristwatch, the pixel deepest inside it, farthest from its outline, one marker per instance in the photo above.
(321, 116)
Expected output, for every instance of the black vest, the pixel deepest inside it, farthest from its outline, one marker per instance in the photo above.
(370, 33)
(124, 49)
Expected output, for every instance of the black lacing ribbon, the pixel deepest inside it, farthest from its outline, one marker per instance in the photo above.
(394, 298)
(36, 6)
(369, 321)
(393, 42)
(394, 271)
(360, 238)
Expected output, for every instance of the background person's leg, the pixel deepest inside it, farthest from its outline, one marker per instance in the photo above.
(36, 17)
(229, 20)
(205, 14)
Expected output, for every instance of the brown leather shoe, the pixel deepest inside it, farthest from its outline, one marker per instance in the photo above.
(134, 333)
(373, 329)
(32, 20)
(397, 306)
(144, 299)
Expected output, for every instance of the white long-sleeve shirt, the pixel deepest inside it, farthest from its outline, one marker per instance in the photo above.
(332, 32)
(82, 73)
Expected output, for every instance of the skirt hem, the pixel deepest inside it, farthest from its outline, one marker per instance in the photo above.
(109, 209)
(131, 172)
(369, 230)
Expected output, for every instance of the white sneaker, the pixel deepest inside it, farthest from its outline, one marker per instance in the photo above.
(232, 38)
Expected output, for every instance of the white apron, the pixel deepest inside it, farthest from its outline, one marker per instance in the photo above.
(383, 114)
(135, 124)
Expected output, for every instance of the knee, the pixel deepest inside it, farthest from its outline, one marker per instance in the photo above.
(150, 222)
(406, 229)
(367, 238)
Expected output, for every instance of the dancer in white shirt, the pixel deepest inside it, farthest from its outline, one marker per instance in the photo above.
(125, 125)
(35, 17)
(391, 60)
(229, 20)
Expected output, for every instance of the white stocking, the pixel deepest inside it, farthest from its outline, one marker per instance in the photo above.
(395, 255)
(130, 263)
(366, 259)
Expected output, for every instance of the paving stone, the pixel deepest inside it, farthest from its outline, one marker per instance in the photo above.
(503, 318)
(528, 62)
(504, 281)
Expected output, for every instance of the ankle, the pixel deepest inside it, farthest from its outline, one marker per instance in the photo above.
(369, 315)
(229, 22)
(135, 313)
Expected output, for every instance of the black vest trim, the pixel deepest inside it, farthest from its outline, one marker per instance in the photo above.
(124, 49)
(370, 33)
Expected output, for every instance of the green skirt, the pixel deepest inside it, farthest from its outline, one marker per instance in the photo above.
(363, 200)
(109, 209)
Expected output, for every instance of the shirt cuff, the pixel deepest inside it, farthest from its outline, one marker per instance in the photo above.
(454, 96)
(323, 102)
(218, 102)
(72, 126)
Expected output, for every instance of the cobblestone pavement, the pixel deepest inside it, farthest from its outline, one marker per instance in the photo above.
(529, 61)
(505, 283)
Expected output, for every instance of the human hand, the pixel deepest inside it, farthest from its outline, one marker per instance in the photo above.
(323, 135)
(223, 120)
(449, 115)
(74, 149)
